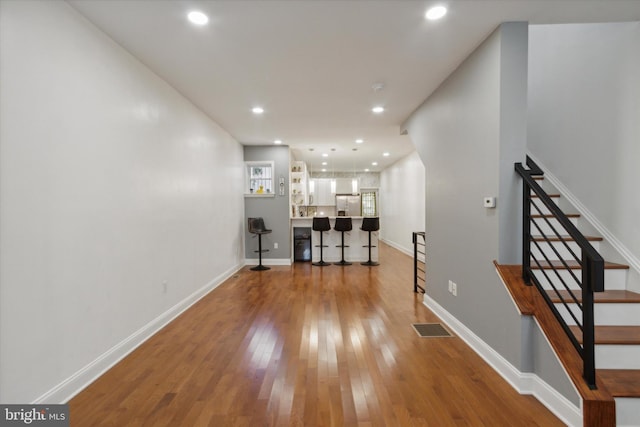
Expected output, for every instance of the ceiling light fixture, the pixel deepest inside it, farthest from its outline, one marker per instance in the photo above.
(377, 110)
(277, 141)
(324, 163)
(374, 163)
(366, 170)
(324, 170)
(198, 18)
(385, 154)
(359, 141)
(435, 13)
(325, 155)
(257, 110)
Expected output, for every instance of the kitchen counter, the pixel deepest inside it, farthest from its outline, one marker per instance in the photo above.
(355, 239)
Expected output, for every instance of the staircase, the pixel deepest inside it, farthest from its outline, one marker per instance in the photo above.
(555, 263)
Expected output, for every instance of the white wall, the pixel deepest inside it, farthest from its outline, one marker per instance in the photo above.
(402, 209)
(584, 118)
(111, 184)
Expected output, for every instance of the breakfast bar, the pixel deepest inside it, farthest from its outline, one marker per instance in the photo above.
(356, 239)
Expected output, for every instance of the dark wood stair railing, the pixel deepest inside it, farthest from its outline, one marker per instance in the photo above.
(590, 262)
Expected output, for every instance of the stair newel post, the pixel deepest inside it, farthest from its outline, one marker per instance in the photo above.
(526, 232)
(589, 277)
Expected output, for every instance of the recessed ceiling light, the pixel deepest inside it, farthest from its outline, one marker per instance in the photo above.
(324, 163)
(257, 110)
(377, 110)
(197, 18)
(385, 154)
(374, 163)
(359, 141)
(324, 170)
(325, 155)
(277, 141)
(366, 170)
(436, 12)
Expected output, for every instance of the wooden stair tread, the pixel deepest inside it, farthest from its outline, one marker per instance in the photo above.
(620, 335)
(613, 296)
(511, 276)
(598, 404)
(574, 265)
(621, 382)
(565, 238)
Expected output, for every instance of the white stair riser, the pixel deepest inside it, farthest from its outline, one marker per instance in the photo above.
(604, 314)
(614, 279)
(627, 411)
(617, 356)
(545, 228)
(561, 248)
(543, 208)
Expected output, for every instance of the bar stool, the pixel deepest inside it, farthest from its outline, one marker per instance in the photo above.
(256, 226)
(321, 224)
(370, 224)
(342, 224)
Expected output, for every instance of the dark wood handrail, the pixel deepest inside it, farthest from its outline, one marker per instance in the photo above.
(591, 263)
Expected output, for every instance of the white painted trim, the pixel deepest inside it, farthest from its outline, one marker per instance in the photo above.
(523, 383)
(629, 257)
(268, 261)
(68, 388)
(407, 251)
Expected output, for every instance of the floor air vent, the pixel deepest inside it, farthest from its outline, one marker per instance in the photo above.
(431, 330)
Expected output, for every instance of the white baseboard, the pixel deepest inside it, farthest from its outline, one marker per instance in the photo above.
(268, 261)
(68, 388)
(523, 382)
(408, 251)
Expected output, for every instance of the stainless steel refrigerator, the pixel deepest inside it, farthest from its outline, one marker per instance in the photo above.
(348, 205)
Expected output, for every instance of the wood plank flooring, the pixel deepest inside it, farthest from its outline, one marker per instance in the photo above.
(306, 346)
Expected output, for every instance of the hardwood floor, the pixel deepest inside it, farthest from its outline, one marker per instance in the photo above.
(306, 346)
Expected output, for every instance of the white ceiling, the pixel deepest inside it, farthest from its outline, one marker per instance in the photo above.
(311, 64)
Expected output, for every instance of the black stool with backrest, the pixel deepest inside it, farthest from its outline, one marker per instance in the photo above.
(370, 224)
(321, 224)
(342, 224)
(257, 227)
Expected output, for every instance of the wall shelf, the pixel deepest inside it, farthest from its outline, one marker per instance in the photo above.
(259, 195)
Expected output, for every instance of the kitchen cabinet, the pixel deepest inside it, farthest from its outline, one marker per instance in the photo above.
(344, 186)
(322, 193)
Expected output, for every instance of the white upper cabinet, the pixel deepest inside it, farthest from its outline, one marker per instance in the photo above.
(324, 192)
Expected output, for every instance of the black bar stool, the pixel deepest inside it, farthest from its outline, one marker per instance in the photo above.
(256, 226)
(342, 224)
(321, 224)
(370, 225)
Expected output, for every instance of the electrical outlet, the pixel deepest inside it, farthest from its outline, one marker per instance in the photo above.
(275, 246)
(454, 289)
(450, 286)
